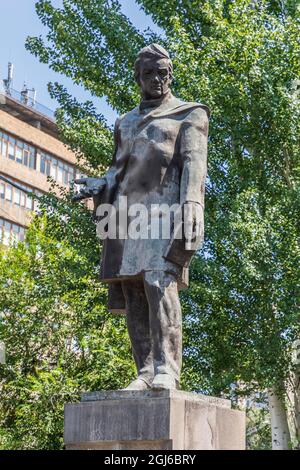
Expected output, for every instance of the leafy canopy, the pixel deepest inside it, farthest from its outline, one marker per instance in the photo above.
(241, 58)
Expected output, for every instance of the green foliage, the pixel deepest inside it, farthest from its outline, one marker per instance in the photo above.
(84, 130)
(60, 340)
(258, 435)
(241, 312)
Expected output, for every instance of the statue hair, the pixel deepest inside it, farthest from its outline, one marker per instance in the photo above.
(148, 52)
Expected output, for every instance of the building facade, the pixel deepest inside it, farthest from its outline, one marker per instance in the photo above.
(30, 151)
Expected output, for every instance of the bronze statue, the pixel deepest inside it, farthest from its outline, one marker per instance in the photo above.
(160, 158)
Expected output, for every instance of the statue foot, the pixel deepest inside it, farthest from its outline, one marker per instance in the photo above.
(164, 382)
(137, 384)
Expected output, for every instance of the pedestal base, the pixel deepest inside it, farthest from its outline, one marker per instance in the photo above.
(153, 420)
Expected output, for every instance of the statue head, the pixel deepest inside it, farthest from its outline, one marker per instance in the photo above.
(153, 71)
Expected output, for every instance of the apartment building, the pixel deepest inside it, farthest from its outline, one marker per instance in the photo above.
(30, 151)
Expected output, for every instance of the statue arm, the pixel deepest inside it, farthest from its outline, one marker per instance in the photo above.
(193, 152)
(193, 157)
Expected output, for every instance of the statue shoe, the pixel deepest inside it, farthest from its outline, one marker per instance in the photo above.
(164, 382)
(137, 384)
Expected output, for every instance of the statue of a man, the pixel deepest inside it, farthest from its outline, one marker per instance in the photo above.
(160, 158)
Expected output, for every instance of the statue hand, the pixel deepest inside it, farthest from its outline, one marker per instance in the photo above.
(193, 224)
(91, 187)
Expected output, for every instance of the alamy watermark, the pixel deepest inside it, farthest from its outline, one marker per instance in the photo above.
(156, 221)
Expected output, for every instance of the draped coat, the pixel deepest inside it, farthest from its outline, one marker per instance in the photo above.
(160, 158)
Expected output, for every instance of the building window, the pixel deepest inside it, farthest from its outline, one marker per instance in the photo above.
(25, 154)
(8, 193)
(25, 157)
(11, 148)
(53, 171)
(19, 153)
(32, 159)
(6, 233)
(43, 164)
(23, 199)
(10, 232)
(17, 150)
(17, 196)
(4, 148)
(29, 203)
(59, 171)
(36, 202)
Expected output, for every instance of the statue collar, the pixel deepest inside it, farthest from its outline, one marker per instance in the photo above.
(150, 104)
(167, 106)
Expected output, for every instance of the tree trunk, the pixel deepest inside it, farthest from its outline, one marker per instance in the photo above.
(279, 423)
(297, 406)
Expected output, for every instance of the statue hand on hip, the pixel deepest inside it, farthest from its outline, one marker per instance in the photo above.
(193, 223)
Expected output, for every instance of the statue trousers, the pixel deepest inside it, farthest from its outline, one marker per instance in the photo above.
(154, 324)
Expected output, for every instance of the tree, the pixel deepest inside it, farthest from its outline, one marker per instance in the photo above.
(242, 59)
(59, 339)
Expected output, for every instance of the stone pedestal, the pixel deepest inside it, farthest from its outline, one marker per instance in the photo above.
(150, 420)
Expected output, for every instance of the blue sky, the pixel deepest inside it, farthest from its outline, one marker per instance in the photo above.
(19, 20)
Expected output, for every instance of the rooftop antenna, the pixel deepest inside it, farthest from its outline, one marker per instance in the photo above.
(33, 97)
(25, 94)
(9, 80)
(28, 96)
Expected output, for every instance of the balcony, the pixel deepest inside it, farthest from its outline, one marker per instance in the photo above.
(22, 106)
(30, 103)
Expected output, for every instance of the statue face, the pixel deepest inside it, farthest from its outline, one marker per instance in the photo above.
(154, 78)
